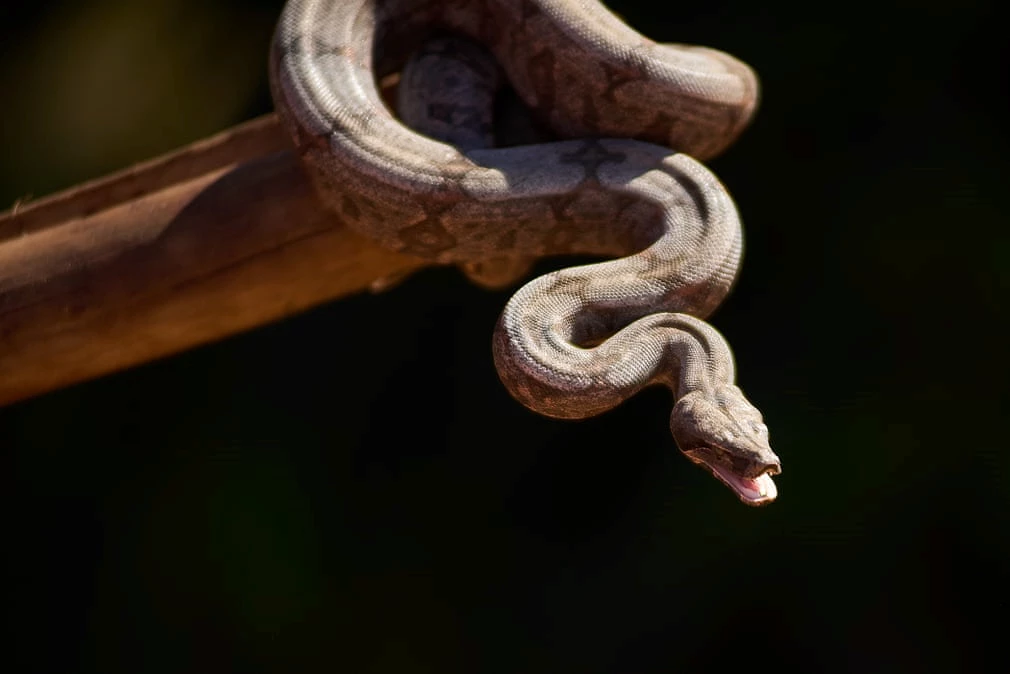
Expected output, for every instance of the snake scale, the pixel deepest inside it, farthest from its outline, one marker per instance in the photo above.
(579, 341)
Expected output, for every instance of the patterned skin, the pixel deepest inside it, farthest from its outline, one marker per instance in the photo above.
(579, 341)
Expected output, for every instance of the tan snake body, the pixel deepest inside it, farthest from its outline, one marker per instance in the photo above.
(578, 341)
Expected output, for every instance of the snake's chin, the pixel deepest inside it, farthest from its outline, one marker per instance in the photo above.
(757, 491)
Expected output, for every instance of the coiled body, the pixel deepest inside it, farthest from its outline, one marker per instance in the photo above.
(578, 341)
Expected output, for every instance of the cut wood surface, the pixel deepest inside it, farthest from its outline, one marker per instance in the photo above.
(219, 237)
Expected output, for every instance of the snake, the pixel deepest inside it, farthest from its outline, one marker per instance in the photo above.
(620, 179)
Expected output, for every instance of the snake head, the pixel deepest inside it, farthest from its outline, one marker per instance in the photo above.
(722, 432)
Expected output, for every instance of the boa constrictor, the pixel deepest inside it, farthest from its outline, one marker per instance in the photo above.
(579, 341)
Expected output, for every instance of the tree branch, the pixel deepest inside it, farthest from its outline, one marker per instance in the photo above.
(217, 238)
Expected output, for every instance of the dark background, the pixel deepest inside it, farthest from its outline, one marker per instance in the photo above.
(353, 489)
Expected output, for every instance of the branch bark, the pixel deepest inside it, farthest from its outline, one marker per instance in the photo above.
(217, 238)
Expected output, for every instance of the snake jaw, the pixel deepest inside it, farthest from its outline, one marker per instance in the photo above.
(756, 489)
(722, 432)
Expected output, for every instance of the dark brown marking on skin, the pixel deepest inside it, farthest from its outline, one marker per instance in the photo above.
(644, 220)
(565, 231)
(661, 129)
(590, 156)
(617, 77)
(561, 237)
(348, 209)
(494, 24)
(697, 195)
(664, 128)
(561, 208)
(623, 202)
(529, 10)
(541, 70)
(699, 300)
(590, 115)
(571, 283)
(506, 241)
(306, 142)
(633, 236)
(303, 44)
(357, 208)
(313, 45)
(349, 53)
(368, 208)
(427, 238)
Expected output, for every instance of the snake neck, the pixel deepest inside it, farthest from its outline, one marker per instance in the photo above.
(574, 369)
(702, 359)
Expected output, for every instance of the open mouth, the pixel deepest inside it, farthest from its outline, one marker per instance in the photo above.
(752, 491)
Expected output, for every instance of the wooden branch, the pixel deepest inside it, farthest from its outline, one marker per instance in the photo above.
(217, 238)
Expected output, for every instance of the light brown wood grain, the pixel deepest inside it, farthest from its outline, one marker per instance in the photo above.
(217, 238)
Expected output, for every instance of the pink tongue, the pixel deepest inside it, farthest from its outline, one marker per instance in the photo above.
(750, 485)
